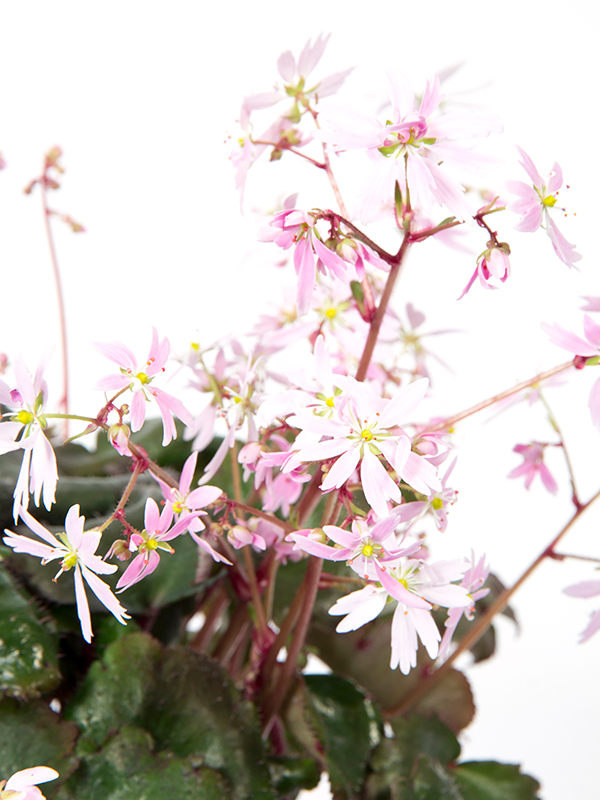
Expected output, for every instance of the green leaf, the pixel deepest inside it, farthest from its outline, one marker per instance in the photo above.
(412, 765)
(489, 780)
(28, 651)
(290, 775)
(32, 734)
(194, 709)
(349, 730)
(116, 689)
(128, 769)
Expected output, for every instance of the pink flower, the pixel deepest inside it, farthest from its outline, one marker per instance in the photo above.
(587, 589)
(415, 148)
(294, 227)
(138, 380)
(534, 204)
(493, 268)
(76, 548)
(416, 586)
(361, 547)
(472, 581)
(22, 785)
(185, 502)
(585, 350)
(533, 464)
(38, 473)
(154, 537)
(363, 428)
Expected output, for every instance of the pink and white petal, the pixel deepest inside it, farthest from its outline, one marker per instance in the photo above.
(117, 352)
(420, 473)
(304, 262)
(396, 590)
(583, 589)
(342, 469)
(208, 549)
(203, 496)
(43, 471)
(187, 473)
(159, 352)
(320, 451)
(35, 526)
(318, 549)
(594, 625)
(568, 341)
(548, 478)
(377, 484)
(105, 595)
(74, 527)
(151, 516)
(530, 167)
(591, 330)
(138, 411)
(403, 403)
(30, 777)
(83, 609)
(563, 249)
(404, 641)
(426, 629)
(113, 383)
(23, 544)
(359, 608)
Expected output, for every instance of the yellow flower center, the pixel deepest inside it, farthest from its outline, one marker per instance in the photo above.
(437, 503)
(549, 201)
(151, 544)
(368, 550)
(24, 417)
(69, 562)
(367, 435)
(142, 377)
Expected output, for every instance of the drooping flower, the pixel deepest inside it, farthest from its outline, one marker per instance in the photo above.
(76, 548)
(533, 464)
(23, 784)
(587, 589)
(139, 379)
(472, 581)
(493, 268)
(292, 227)
(589, 349)
(534, 204)
(24, 429)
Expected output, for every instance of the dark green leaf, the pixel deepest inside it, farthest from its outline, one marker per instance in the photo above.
(28, 651)
(32, 734)
(489, 780)
(349, 730)
(128, 769)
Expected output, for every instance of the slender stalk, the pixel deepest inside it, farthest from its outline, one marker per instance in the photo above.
(373, 334)
(450, 421)
(553, 422)
(137, 471)
(202, 639)
(479, 627)
(64, 403)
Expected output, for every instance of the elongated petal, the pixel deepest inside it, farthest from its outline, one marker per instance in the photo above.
(23, 544)
(30, 777)
(342, 469)
(105, 595)
(83, 609)
(117, 352)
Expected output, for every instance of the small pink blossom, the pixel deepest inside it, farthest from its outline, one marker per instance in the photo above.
(23, 784)
(292, 227)
(472, 581)
(155, 536)
(589, 349)
(139, 379)
(533, 464)
(76, 549)
(190, 504)
(534, 204)
(587, 589)
(493, 269)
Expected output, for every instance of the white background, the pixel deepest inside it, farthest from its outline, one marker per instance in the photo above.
(141, 97)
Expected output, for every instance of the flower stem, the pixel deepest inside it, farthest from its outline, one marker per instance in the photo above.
(450, 421)
(64, 403)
